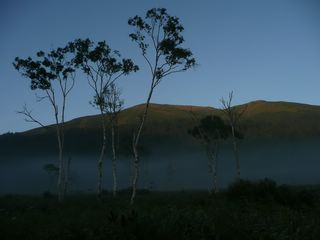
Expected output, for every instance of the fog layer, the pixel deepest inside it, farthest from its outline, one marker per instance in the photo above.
(287, 162)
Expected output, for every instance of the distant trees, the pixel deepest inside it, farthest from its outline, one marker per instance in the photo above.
(103, 67)
(53, 74)
(159, 37)
(234, 117)
(211, 131)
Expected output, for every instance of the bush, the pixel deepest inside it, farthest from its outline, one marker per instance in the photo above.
(268, 191)
(263, 190)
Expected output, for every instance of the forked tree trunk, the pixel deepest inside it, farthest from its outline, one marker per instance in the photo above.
(135, 148)
(60, 159)
(100, 160)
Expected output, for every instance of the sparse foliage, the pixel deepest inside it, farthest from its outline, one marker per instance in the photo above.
(159, 37)
(53, 74)
(113, 106)
(210, 131)
(234, 117)
(102, 67)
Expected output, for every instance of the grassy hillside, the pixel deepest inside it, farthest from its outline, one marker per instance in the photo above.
(170, 123)
(281, 119)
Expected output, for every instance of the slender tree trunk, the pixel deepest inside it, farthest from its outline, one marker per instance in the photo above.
(66, 176)
(114, 159)
(100, 160)
(212, 157)
(60, 157)
(61, 166)
(135, 147)
(236, 152)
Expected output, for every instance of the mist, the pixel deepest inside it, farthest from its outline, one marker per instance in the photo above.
(167, 168)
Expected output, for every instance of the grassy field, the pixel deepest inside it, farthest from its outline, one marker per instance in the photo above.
(246, 210)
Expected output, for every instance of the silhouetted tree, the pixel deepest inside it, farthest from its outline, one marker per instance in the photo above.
(210, 131)
(234, 116)
(53, 74)
(159, 37)
(102, 67)
(113, 106)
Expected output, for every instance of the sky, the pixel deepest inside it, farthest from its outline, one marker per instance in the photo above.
(259, 49)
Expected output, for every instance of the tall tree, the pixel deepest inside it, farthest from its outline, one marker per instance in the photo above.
(113, 106)
(211, 131)
(234, 116)
(52, 74)
(102, 67)
(159, 37)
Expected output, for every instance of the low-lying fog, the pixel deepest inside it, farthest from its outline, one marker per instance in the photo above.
(294, 162)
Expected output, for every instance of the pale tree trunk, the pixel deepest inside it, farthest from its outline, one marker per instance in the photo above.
(236, 152)
(60, 157)
(60, 133)
(135, 147)
(66, 176)
(100, 160)
(233, 115)
(212, 157)
(114, 159)
(61, 167)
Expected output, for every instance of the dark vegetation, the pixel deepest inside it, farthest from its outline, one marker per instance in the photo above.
(246, 210)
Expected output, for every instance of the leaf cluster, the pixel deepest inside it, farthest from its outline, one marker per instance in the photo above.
(109, 100)
(87, 54)
(210, 128)
(164, 33)
(46, 68)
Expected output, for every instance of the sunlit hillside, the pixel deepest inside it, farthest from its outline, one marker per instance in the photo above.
(170, 124)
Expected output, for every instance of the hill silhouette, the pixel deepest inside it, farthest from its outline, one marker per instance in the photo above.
(169, 124)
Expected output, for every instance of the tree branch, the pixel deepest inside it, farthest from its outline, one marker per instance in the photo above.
(29, 118)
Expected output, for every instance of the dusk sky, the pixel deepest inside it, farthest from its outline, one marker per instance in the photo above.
(260, 49)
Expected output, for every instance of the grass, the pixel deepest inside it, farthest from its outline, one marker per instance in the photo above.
(246, 210)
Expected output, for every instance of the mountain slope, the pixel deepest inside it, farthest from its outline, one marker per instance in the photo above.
(281, 119)
(170, 124)
(262, 119)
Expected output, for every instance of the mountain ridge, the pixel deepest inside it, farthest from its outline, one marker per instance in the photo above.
(166, 122)
(254, 107)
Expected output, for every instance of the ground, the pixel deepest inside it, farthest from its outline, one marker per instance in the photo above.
(246, 210)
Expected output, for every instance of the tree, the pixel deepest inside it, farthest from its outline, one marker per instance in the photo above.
(159, 37)
(102, 67)
(53, 75)
(234, 116)
(113, 106)
(210, 131)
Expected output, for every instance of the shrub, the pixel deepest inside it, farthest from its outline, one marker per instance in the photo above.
(267, 190)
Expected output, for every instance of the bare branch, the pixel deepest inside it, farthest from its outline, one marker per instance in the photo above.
(149, 64)
(29, 118)
(73, 77)
(233, 114)
(40, 98)
(155, 43)
(175, 71)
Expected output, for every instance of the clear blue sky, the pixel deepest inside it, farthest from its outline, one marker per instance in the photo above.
(260, 49)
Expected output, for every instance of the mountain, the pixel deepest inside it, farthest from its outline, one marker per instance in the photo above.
(169, 124)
